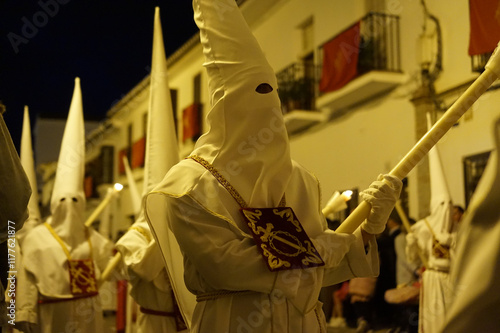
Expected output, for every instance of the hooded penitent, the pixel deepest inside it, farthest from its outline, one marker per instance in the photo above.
(246, 140)
(140, 253)
(64, 258)
(29, 167)
(432, 236)
(439, 221)
(68, 200)
(246, 146)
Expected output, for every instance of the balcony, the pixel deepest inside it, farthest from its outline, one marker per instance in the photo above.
(479, 61)
(378, 65)
(297, 90)
(377, 71)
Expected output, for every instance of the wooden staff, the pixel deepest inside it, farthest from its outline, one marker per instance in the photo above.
(106, 274)
(116, 188)
(450, 117)
(407, 226)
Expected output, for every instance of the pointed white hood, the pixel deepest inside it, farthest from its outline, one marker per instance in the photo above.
(161, 155)
(440, 205)
(162, 151)
(246, 140)
(29, 166)
(68, 199)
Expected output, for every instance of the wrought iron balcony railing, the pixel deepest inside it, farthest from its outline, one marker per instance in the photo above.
(479, 61)
(378, 50)
(297, 87)
(378, 47)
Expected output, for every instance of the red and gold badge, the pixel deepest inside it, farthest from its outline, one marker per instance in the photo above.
(282, 240)
(82, 279)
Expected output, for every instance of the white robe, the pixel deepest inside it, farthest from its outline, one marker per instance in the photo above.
(435, 293)
(148, 277)
(218, 256)
(46, 275)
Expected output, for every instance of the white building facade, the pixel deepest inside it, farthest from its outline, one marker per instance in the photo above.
(345, 137)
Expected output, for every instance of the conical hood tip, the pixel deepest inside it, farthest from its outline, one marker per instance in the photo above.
(28, 164)
(71, 162)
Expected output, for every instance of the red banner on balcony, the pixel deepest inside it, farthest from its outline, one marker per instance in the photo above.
(121, 165)
(484, 26)
(340, 60)
(191, 122)
(138, 153)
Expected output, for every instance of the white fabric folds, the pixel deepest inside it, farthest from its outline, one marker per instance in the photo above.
(475, 272)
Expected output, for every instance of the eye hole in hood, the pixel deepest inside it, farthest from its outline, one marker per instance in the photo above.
(264, 88)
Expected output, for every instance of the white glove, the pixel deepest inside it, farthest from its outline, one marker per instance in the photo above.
(411, 240)
(333, 246)
(381, 195)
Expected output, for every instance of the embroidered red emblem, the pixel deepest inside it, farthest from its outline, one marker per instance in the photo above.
(82, 279)
(281, 239)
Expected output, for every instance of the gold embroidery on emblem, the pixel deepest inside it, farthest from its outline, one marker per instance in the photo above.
(289, 217)
(280, 247)
(273, 261)
(82, 277)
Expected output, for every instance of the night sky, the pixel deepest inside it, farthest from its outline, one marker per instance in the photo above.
(45, 44)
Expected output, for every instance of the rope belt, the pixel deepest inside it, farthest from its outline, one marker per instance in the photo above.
(156, 313)
(60, 300)
(210, 296)
(442, 270)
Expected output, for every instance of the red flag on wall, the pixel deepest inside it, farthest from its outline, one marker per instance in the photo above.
(121, 166)
(340, 60)
(138, 153)
(191, 121)
(484, 26)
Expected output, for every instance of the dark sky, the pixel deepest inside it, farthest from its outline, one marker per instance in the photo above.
(45, 44)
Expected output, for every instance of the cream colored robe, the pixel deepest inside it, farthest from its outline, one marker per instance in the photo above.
(218, 256)
(435, 292)
(46, 275)
(148, 277)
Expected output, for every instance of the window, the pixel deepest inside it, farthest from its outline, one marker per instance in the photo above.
(473, 170)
